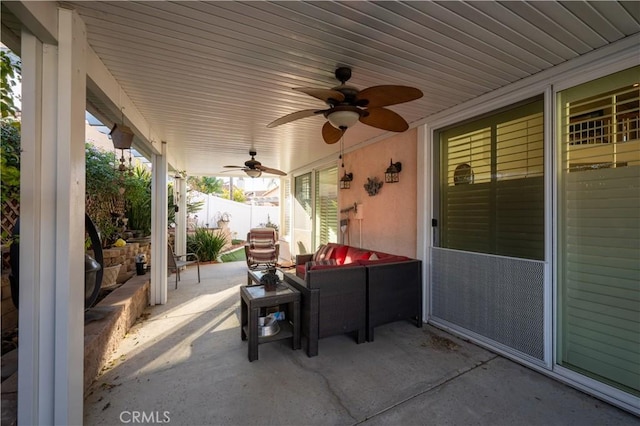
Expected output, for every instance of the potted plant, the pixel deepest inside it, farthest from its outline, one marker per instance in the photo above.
(222, 219)
(270, 280)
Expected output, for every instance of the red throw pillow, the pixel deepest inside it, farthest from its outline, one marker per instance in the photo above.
(355, 254)
(339, 252)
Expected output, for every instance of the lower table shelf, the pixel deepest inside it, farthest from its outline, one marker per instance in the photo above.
(286, 331)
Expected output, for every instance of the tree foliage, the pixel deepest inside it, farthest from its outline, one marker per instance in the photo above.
(138, 199)
(105, 186)
(10, 160)
(10, 76)
(205, 184)
(238, 195)
(10, 128)
(101, 191)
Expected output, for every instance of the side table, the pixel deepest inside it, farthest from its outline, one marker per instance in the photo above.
(252, 299)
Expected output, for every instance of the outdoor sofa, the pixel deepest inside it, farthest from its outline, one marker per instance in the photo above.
(348, 289)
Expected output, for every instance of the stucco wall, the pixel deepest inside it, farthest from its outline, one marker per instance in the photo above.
(389, 218)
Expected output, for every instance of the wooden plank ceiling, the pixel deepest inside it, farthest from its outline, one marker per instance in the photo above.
(211, 75)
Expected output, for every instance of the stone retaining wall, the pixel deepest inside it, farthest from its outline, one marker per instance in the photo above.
(125, 256)
(119, 309)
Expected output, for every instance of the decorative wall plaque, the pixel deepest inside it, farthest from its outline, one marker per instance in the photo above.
(373, 186)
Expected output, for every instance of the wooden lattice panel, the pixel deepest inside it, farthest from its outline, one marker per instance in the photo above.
(10, 213)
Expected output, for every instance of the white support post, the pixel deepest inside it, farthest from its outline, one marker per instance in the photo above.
(35, 295)
(51, 356)
(70, 235)
(181, 216)
(159, 235)
(424, 226)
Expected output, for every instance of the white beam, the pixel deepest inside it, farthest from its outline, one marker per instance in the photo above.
(10, 39)
(159, 236)
(39, 18)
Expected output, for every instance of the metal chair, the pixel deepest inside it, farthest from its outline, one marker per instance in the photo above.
(174, 262)
(262, 247)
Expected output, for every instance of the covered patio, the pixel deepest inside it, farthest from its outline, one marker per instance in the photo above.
(198, 84)
(184, 363)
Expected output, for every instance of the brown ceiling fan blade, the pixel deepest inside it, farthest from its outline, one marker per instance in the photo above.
(379, 96)
(330, 134)
(294, 116)
(234, 167)
(270, 170)
(325, 95)
(385, 119)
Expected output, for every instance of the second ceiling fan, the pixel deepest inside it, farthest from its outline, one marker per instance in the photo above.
(253, 168)
(348, 105)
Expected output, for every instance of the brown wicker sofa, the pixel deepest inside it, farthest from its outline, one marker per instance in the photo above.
(347, 289)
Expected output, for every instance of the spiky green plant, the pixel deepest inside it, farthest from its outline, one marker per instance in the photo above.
(206, 243)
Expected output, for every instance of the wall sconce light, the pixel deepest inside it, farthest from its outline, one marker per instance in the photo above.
(345, 181)
(391, 175)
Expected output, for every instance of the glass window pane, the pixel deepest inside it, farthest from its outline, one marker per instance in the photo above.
(302, 211)
(599, 230)
(493, 184)
(326, 206)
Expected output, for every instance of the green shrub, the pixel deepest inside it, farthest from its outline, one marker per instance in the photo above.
(207, 244)
(10, 160)
(137, 197)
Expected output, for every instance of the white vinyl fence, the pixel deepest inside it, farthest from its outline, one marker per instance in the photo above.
(242, 217)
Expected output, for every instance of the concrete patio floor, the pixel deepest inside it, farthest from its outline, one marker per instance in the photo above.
(185, 364)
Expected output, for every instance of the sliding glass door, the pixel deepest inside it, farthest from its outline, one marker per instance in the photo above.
(302, 214)
(326, 206)
(599, 230)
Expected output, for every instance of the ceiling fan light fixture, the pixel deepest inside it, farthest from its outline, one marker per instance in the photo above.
(343, 119)
(254, 173)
